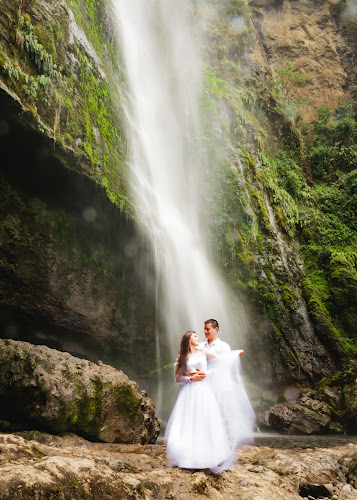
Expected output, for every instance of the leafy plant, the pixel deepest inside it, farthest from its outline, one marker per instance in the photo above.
(332, 147)
(287, 81)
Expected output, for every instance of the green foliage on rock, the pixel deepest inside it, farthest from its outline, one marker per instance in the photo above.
(72, 93)
(126, 400)
(48, 390)
(332, 142)
(280, 172)
(287, 84)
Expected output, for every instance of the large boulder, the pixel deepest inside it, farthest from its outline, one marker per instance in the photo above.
(307, 416)
(41, 388)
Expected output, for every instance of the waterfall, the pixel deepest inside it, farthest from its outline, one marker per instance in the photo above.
(168, 162)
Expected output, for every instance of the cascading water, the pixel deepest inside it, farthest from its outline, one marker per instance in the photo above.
(168, 162)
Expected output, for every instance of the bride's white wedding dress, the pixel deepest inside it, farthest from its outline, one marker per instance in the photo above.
(199, 435)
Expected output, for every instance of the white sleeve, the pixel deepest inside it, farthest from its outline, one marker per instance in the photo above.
(181, 379)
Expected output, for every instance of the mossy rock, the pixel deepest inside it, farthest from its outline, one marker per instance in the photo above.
(44, 389)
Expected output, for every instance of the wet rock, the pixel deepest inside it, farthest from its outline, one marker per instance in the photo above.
(330, 395)
(352, 471)
(336, 428)
(307, 416)
(41, 388)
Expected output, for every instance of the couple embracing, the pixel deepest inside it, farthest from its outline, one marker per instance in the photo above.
(212, 415)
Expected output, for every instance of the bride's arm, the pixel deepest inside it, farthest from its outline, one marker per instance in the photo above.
(179, 378)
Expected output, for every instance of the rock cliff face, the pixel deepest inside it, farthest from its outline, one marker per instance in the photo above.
(69, 250)
(269, 81)
(312, 36)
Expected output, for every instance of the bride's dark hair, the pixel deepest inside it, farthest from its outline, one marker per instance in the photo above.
(184, 352)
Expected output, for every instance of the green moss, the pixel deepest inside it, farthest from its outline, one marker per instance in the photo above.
(323, 320)
(38, 453)
(215, 86)
(97, 404)
(86, 411)
(126, 400)
(293, 355)
(341, 379)
(13, 362)
(84, 106)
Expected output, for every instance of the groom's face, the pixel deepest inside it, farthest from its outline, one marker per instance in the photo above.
(210, 332)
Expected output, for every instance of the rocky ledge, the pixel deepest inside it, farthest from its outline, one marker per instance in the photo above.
(44, 389)
(332, 408)
(42, 466)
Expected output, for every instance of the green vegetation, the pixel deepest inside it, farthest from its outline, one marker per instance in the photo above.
(86, 410)
(331, 142)
(29, 232)
(279, 170)
(76, 104)
(313, 198)
(126, 401)
(287, 84)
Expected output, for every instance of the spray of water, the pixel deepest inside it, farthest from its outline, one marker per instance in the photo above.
(168, 162)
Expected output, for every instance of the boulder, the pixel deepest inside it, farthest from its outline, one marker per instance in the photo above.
(352, 470)
(307, 416)
(330, 395)
(44, 389)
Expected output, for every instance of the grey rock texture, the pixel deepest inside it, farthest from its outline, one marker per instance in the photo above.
(41, 388)
(308, 416)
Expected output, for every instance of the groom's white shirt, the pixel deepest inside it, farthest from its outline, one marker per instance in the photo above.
(217, 347)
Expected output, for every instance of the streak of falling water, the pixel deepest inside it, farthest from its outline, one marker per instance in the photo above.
(164, 76)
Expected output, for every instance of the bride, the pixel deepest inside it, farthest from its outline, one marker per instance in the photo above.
(199, 435)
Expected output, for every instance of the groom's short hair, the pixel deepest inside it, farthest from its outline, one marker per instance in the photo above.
(213, 322)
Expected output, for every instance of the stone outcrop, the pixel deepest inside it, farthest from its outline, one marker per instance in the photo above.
(69, 258)
(301, 344)
(332, 408)
(308, 416)
(305, 33)
(43, 466)
(41, 388)
(350, 398)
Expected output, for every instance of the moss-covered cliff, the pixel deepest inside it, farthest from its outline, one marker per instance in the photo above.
(284, 217)
(69, 247)
(61, 62)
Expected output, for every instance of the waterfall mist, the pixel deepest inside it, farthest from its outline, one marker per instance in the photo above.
(168, 165)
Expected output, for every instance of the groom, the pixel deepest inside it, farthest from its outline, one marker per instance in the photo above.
(213, 344)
